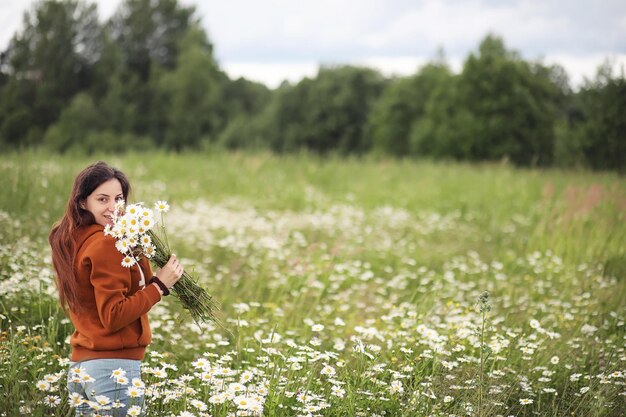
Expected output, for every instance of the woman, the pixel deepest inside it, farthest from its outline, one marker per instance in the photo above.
(108, 303)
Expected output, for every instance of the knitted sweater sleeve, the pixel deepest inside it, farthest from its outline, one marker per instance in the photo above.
(112, 283)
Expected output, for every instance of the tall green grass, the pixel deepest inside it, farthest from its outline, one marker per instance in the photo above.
(546, 244)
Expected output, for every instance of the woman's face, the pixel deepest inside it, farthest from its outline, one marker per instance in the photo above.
(101, 202)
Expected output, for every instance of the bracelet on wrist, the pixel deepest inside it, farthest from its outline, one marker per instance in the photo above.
(160, 284)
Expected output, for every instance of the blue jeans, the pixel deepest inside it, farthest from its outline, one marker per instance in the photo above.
(103, 384)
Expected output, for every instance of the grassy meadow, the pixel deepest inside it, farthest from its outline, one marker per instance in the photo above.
(348, 287)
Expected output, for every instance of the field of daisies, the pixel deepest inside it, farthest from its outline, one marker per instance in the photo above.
(347, 288)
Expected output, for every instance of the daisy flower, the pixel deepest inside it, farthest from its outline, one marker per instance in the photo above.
(122, 380)
(133, 239)
(51, 378)
(337, 391)
(86, 378)
(52, 400)
(132, 221)
(243, 402)
(102, 399)
(94, 405)
(162, 206)
(217, 399)
(138, 383)
(134, 392)
(256, 408)
(43, 385)
(128, 261)
(119, 206)
(199, 405)
(118, 231)
(525, 401)
(75, 399)
(133, 209)
(236, 387)
(79, 370)
(146, 223)
(134, 411)
(149, 251)
(328, 370)
(122, 245)
(396, 387)
(246, 376)
(206, 377)
(200, 363)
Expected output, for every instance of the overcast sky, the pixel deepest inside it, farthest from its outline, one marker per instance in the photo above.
(274, 40)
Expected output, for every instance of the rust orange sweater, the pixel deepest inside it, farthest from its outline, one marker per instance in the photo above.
(114, 321)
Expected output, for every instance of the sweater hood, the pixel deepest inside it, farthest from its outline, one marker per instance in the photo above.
(83, 233)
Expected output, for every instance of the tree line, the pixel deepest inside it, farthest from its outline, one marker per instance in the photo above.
(147, 77)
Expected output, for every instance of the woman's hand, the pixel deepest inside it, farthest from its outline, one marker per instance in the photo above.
(171, 272)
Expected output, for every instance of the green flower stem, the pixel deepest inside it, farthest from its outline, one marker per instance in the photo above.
(192, 296)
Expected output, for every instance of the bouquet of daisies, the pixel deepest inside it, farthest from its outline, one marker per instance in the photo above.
(136, 234)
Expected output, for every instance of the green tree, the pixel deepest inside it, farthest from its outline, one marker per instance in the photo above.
(76, 121)
(147, 35)
(16, 114)
(447, 129)
(501, 107)
(242, 103)
(113, 88)
(47, 63)
(81, 128)
(150, 32)
(402, 105)
(600, 134)
(514, 105)
(192, 91)
(328, 113)
(244, 97)
(117, 108)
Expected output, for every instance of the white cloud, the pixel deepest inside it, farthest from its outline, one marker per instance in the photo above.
(293, 30)
(460, 27)
(271, 74)
(392, 66)
(580, 68)
(282, 39)
(107, 8)
(401, 66)
(11, 13)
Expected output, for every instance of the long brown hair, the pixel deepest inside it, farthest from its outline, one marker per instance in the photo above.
(61, 236)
